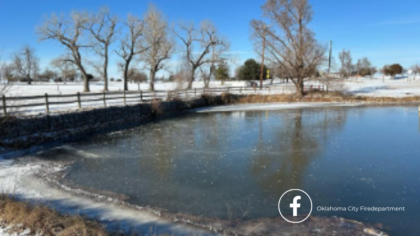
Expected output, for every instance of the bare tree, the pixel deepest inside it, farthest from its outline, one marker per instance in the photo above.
(69, 33)
(416, 70)
(289, 41)
(136, 76)
(157, 41)
(130, 45)
(216, 52)
(7, 70)
(25, 63)
(102, 28)
(346, 62)
(65, 67)
(198, 45)
(47, 75)
(5, 74)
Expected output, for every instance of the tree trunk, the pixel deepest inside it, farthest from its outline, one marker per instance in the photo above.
(105, 80)
(78, 61)
(299, 88)
(86, 83)
(152, 80)
(126, 76)
(106, 69)
(192, 78)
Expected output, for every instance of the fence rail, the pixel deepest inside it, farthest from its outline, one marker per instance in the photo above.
(19, 105)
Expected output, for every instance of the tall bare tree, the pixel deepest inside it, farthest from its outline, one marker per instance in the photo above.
(102, 28)
(198, 45)
(157, 41)
(69, 32)
(25, 63)
(346, 62)
(130, 45)
(289, 41)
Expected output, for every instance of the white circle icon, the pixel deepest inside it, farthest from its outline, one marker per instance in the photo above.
(295, 205)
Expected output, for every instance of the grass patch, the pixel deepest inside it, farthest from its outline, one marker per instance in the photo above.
(44, 221)
(316, 96)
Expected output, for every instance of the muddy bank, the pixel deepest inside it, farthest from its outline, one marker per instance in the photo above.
(27, 131)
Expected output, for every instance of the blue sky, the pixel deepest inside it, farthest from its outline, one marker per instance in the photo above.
(384, 31)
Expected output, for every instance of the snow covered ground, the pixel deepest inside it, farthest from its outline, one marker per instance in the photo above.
(376, 86)
(373, 87)
(22, 89)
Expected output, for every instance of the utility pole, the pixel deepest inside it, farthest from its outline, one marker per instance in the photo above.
(262, 61)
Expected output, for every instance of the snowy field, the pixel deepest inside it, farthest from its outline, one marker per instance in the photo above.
(376, 86)
(373, 87)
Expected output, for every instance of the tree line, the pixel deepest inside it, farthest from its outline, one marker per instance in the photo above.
(150, 41)
(283, 35)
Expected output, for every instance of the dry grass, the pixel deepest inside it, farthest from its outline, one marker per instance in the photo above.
(156, 107)
(44, 220)
(226, 98)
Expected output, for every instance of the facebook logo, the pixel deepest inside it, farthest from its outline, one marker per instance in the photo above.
(296, 206)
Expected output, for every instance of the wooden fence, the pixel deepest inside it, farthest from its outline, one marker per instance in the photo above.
(48, 103)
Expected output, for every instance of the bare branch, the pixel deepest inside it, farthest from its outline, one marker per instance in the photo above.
(157, 41)
(102, 28)
(68, 31)
(201, 46)
(291, 45)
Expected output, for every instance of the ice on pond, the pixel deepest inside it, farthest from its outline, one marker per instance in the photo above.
(224, 165)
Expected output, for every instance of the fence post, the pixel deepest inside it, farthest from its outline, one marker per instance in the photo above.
(186, 93)
(4, 105)
(228, 89)
(141, 96)
(79, 101)
(104, 99)
(124, 98)
(46, 104)
(240, 90)
(195, 92)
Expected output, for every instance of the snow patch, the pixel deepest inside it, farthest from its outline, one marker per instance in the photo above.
(21, 180)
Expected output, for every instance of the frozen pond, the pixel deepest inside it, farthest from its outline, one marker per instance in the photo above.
(237, 164)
